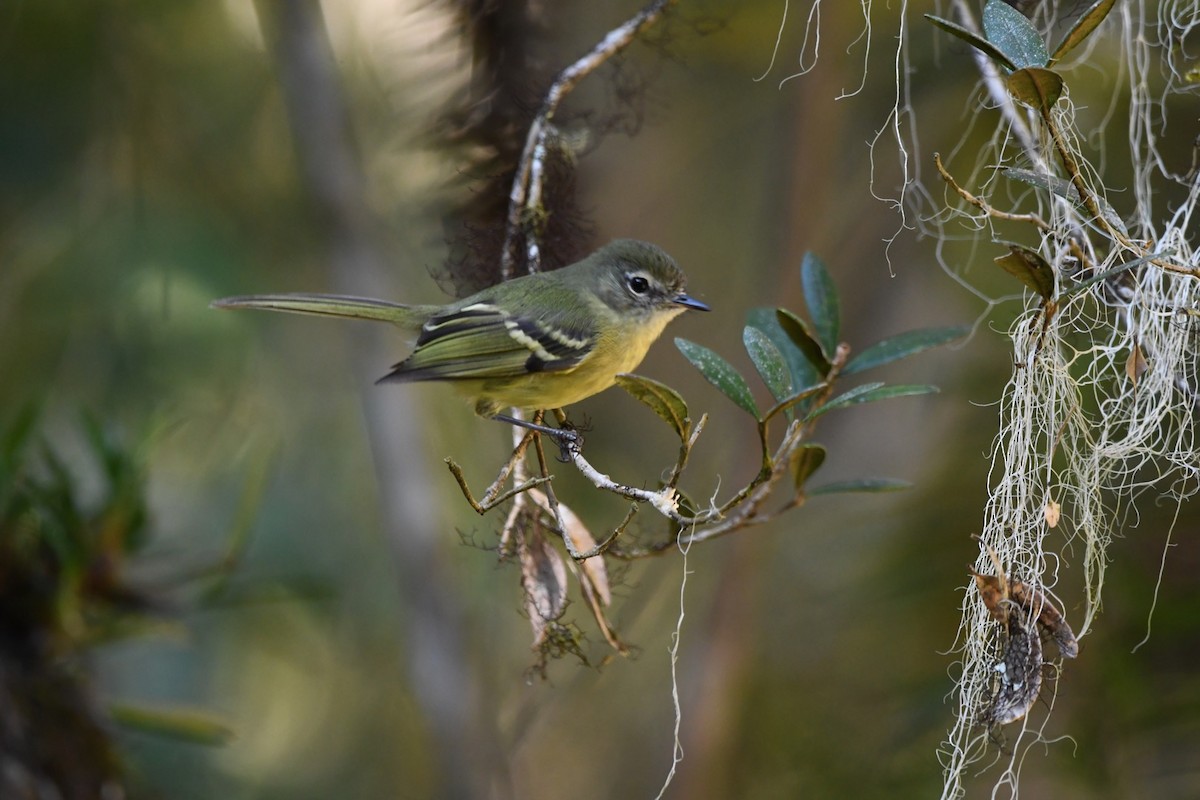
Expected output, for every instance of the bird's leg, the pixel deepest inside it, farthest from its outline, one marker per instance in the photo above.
(557, 433)
(563, 438)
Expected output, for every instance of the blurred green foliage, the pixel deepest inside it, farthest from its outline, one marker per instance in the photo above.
(65, 588)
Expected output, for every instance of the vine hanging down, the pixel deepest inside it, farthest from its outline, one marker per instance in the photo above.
(1101, 405)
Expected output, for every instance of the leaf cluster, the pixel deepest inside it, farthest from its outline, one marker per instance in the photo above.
(64, 565)
(1018, 49)
(800, 362)
(62, 561)
(1012, 41)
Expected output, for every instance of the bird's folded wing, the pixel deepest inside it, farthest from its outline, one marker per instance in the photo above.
(484, 341)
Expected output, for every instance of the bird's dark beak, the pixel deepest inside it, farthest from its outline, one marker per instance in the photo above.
(689, 302)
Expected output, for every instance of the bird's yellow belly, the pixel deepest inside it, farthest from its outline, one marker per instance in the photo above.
(614, 354)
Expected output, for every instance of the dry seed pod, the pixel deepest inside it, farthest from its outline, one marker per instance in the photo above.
(999, 594)
(1018, 674)
(1022, 609)
(1049, 618)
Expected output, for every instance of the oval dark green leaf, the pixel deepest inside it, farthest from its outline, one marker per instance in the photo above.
(720, 373)
(1087, 22)
(1036, 87)
(768, 361)
(821, 295)
(904, 345)
(799, 334)
(805, 460)
(1014, 35)
(974, 39)
(870, 392)
(801, 368)
(661, 399)
(1030, 268)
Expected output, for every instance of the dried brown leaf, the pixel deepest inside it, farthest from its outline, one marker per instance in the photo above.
(1030, 602)
(1136, 365)
(1052, 512)
(592, 573)
(544, 579)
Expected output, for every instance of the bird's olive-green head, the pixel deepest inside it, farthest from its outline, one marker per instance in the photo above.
(638, 279)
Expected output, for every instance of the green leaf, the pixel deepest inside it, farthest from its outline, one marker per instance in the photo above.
(63, 527)
(1083, 285)
(974, 39)
(798, 333)
(861, 485)
(904, 345)
(768, 361)
(190, 725)
(661, 399)
(823, 306)
(1064, 188)
(844, 399)
(1050, 183)
(1087, 22)
(1029, 267)
(898, 390)
(1036, 87)
(17, 433)
(869, 393)
(1014, 35)
(806, 459)
(720, 373)
(13, 441)
(802, 370)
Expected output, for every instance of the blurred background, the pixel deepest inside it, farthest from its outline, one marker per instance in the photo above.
(370, 644)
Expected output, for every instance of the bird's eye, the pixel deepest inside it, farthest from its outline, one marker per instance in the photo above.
(638, 284)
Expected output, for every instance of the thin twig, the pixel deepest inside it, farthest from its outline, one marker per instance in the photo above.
(551, 506)
(1071, 165)
(525, 213)
(488, 503)
(495, 494)
(664, 501)
(984, 205)
(740, 511)
(516, 465)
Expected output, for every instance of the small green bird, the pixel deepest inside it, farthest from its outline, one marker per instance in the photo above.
(540, 341)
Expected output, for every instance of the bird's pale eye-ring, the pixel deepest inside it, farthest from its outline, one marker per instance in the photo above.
(638, 284)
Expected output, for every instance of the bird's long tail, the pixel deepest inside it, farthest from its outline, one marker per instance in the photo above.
(332, 305)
